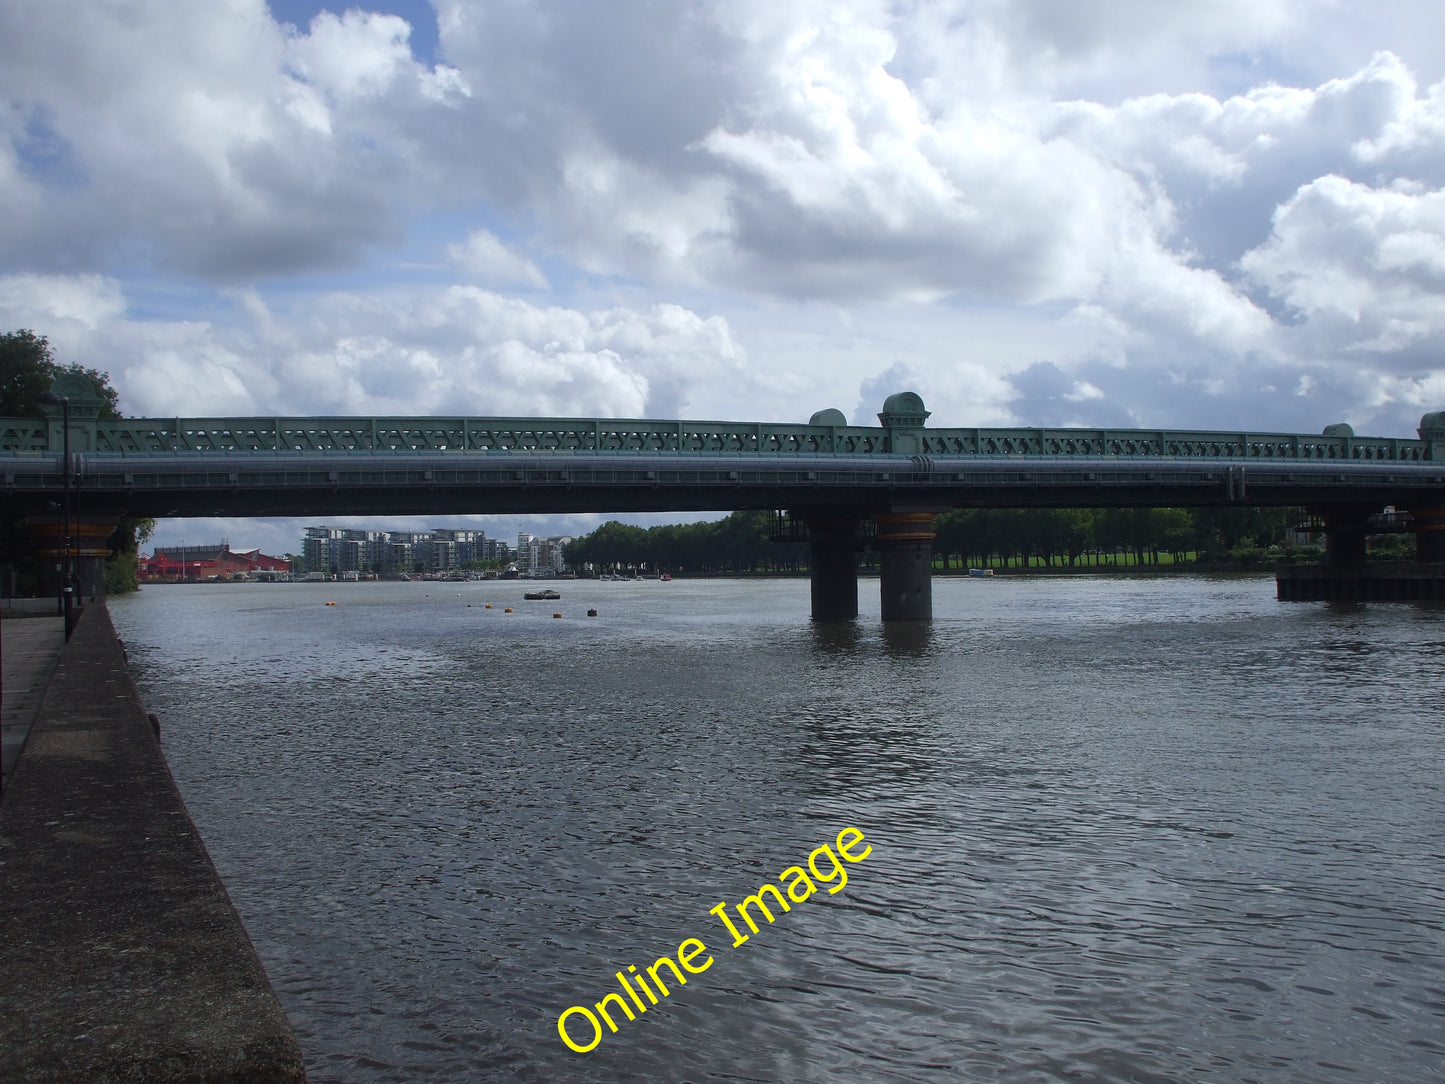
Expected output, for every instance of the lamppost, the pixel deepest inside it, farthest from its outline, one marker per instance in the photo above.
(67, 585)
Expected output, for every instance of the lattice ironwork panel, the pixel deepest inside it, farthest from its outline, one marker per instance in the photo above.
(136, 436)
(21, 435)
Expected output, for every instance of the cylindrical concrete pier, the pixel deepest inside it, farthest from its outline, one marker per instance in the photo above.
(1345, 536)
(905, 565)
(833, 557)
(1429, 535)
(89, 548)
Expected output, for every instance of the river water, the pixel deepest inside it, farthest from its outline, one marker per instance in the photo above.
(1122, 829)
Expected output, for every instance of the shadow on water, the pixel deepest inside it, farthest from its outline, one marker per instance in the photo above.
(1360, 609)
(836, 637)
(900, 639)
(908, 639)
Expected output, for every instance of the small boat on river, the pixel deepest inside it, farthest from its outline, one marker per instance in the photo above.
(547, 595)
(980, 572)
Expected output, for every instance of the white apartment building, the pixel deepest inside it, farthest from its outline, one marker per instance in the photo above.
(334, 550)
(541, 556)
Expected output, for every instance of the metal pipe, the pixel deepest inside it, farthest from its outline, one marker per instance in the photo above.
(67, 587)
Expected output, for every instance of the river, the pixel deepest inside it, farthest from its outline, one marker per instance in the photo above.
(1153, 829)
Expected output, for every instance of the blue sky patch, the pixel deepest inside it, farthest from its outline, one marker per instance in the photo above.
(423, 20)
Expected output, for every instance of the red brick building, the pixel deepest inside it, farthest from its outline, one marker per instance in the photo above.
(192, 564)
(260, 562)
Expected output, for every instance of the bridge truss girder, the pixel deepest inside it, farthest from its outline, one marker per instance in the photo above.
(433, 484)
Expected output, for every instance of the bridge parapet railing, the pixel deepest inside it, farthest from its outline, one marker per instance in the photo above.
(143, 436)
(1162, 443)
(153, 435)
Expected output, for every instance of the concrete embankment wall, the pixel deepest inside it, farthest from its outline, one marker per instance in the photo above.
(121, 957)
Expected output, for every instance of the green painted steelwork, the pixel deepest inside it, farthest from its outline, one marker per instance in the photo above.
(150, 436)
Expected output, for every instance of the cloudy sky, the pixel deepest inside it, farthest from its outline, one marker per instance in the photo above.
(1037, 212)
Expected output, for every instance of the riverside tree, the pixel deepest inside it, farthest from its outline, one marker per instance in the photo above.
(27, 369)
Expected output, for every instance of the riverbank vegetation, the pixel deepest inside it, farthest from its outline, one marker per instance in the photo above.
(27, 370)
(740, 543)
(1109, 538)
(1003, 538)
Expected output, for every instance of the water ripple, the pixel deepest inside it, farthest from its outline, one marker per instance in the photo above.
(1152, 830)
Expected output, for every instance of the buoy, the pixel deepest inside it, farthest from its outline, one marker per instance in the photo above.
(489, 605)
(591, 613)
(331, 604)
(507, 610)
(557, 614)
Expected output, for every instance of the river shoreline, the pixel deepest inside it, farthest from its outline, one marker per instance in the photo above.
(121, 956)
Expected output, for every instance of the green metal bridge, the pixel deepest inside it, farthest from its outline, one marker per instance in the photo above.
(831, 476)
(140, 437)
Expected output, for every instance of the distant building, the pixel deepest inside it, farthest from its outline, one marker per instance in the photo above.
(318, 548)
(260, 562)
(169, 564)
(337, 550)
(541, 556)
(465, 546)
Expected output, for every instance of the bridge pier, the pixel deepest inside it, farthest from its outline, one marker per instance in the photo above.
(1429, 535)
(905, 565)
(833, 559)
(89, 549)
(1347, 576)
(1345, 530)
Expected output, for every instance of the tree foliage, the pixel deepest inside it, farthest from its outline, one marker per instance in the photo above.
(122, 568)
(740, 543)
(1073, 537)
(28, 368)
(979, 537)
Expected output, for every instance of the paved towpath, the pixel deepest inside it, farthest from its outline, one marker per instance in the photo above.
(121, 957)
(29, 648)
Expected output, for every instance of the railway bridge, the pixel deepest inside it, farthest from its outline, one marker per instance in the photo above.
(73, 475)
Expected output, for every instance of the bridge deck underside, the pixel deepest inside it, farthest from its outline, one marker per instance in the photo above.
(314, 484)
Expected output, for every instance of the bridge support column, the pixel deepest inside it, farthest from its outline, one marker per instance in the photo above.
(1346, 576)
(89, 548)
(1429, 535)
(905, 565)
(1345, 536)
(833, 558)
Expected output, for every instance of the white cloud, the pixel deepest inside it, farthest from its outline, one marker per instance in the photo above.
(355, 55)
(56, 301)
(1347, 253)
(483, 256)
(747, 209)
(202, 138)
(456, 350)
